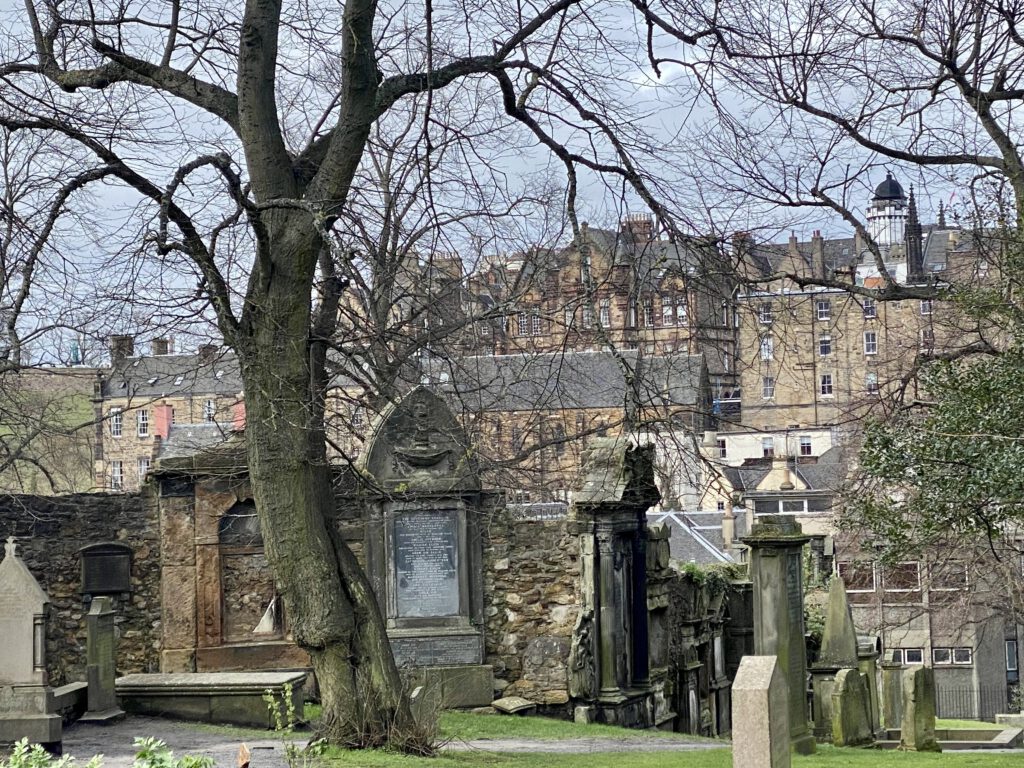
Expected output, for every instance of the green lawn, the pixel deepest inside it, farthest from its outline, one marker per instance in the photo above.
(457, 726)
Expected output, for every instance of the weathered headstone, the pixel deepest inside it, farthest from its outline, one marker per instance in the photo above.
(101, 653)
(851, 710)
(838, 651)
(26, 701)
(776, 571)
(917, 732)
(423, 550)
(760, 715)
(892, 694)
(609, 663)
(869, 650)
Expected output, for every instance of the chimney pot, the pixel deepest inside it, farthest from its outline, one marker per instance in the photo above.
(207, 353)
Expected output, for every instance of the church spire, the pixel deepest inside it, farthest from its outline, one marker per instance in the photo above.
(915, 255)
(942, 216)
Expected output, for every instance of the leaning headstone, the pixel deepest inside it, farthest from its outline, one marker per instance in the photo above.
(101, 652)
(776, 570)
(26, 701)
(918, 726)
(760, 715)
(851, 710)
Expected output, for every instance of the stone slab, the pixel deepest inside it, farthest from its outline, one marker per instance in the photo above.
(216, 697)
(513, 705)
(460, 687)
(917, 733)
(38, 729)
(760, 715)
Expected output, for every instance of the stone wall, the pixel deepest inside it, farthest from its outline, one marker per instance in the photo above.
(531, 601)
(50, 532)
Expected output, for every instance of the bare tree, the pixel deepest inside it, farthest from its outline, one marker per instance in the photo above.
(240, 129)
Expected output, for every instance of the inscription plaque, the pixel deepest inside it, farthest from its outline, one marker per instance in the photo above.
(106, 569)
(426, 558)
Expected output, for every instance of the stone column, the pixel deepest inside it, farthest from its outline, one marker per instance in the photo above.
(607, 618)
(101, 654)
(760, 715)
(776, 570)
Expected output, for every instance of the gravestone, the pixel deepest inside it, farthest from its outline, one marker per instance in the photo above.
(423, 549)
(838, 652)
(892, 694)
(609, 664)
(776, 571)
(869, 650)
(851, 710)
(760, 714)
(101, 653)
(917, 731)
(26, 701)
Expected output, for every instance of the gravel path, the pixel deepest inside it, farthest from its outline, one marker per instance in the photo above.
(114, 742)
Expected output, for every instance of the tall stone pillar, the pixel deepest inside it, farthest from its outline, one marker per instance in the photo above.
(776, 570)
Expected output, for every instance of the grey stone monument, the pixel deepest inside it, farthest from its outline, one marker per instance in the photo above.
(838, 652)
(609, 664)
(26, 701)
(917, 731)
(869, 650)
(776, 571)
(892, 694)
(101, 654)
(423, 550)
(851, 710)
(760, 715)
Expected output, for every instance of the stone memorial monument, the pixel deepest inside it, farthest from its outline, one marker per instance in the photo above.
(776, 571)
(422, 545)
(838, 652)
(892, 694)
(101, 653)
(609, 665)
(26, 701)
(917, 731)
(851, 710)
(760, 715)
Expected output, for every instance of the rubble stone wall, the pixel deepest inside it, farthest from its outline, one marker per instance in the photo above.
(531, 601)
(50, 531)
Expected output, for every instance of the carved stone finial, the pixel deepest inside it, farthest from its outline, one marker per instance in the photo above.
(9, 547)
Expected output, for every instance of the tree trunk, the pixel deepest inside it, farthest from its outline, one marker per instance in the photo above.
(329, 601)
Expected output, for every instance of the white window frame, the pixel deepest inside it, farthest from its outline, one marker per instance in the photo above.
(801, 511)
(917, 563)
(682, 312)
(535, 323)
(767, 348)
(116, 475)
(824, 309)
(927, 306)
(859, 563)
(1012, 664)
(765, 313)
(806, 446)
(963, 657)
(144, 465)
(826, 385)
(871, 383)
(870, 309)
(870, 342)
(768, 447)
(721, 447)
(210, 411)
(942, 657)
(606, 313)
(648, 309)
(668, 317)
(522, 324)
(824, 345)
(142, 423)
(767, 387)
(918, 652)
(927, 339)
(116, 422)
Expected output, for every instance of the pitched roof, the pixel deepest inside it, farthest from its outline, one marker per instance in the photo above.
(165, 375)
(569, 380)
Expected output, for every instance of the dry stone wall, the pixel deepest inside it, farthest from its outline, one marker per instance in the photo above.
(50, 531)
(531, 600)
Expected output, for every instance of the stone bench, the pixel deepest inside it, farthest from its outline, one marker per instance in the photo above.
(211, 697)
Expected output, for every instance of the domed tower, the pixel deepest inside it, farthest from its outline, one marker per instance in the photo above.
(887, 214)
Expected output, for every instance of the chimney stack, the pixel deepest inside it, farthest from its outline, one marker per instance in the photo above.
(639, 226)
(160, 346)
(208, 353)
(121, 347)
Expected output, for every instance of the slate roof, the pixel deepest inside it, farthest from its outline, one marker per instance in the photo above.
(166, 375)
(569, 380)
(827, 474)
(188, 439)
(689, 543)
